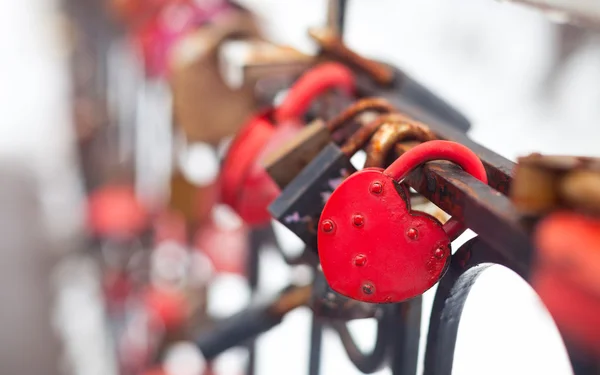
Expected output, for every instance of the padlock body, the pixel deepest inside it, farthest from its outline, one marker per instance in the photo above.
(373, 248)
(288, 160)
(227, 248)
(258, 190)
(299, 205)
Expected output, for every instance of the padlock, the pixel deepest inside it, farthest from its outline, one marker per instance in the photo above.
(205, 107)
(193, 202)
(285, 163)
(160, 32)
(397, 128)
(300, 203)
(114, 211)
(246, 186)
(224, 239)
(372, 246)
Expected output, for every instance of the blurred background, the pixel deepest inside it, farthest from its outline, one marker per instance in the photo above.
(528, 81)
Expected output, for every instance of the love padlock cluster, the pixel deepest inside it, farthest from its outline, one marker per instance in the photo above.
(372, 245)
(280, 135)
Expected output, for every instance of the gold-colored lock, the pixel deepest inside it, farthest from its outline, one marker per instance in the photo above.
(208, 108)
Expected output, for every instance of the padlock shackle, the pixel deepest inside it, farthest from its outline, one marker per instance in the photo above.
(394, 128)
(378, 105)
(249, 141)
(437, 150)
(366, 132)
(312, 84)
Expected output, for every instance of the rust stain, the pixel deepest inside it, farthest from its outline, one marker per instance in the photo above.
(392, 129)
(331, 43)
(378, 105)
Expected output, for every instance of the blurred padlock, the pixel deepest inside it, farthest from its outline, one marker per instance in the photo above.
(205, 107)
(160, 32)
(214, 72)
(114, 211)
(224, 240)
(193, 202)
(246, 186)
(301, 202)
(286, 162)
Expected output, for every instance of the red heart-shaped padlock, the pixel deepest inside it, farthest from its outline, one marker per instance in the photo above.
(372, 247)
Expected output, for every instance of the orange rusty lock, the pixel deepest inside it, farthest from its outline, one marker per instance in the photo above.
(245, 184)
(372, 246)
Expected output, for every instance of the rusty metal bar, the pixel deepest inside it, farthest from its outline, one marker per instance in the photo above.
(486, 211)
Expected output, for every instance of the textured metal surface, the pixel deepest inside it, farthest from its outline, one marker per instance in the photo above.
(483, 209)
(300, 203)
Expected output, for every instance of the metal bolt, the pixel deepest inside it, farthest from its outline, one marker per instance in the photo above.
(368, 288)
(327, 226)
(439, 253)
(376, 187)
(358, 220)
(360, 260)
(412, 233)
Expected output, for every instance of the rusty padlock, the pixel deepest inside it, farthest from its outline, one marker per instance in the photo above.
(372, 246)
(246, 186)
(205, 107)
(301, 202)
(285, 163)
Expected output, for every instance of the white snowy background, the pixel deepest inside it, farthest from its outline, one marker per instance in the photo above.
(495, 61)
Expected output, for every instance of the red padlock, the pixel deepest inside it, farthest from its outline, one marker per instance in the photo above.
(567, 268)
(372, 247)
(246, 186)
(224, 242)
(115, 212)
(160, 32)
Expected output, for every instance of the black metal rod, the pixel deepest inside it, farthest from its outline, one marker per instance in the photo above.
(404, 352)
(484, 210)
(316, 341)
(468, 263)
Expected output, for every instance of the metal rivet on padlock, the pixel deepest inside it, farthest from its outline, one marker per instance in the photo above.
(326, 303)
(301, 202)
(407, 251)
(246, 186)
